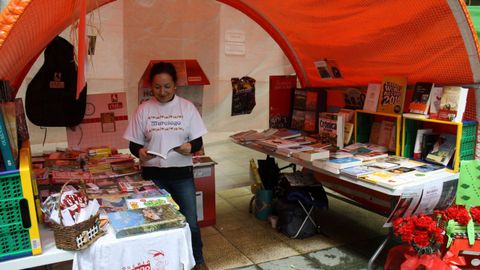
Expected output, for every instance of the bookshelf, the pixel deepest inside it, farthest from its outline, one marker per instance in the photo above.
(363, 125)
(465, 133)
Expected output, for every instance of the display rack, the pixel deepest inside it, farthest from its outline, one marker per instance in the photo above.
(465, 133)
(363, 125)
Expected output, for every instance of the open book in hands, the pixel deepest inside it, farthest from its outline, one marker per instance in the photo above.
(164, 156)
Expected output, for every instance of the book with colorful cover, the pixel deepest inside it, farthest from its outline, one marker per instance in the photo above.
(417, 150)
(452, 104)
(9, 118)
(429, 168)
(300, 99)
(392, 95)
(145, 220)
(401, 170)
(421, 98)
(289, 151)
(428, 141)
(285, 133)
(331, 128)
(372, 96)
(435, 101)
(346, 162)
(137, 203)
(357, 171)
(371, 156)
(378, 176)
(5, 147)
(347, 133)
(298, 119)
(382, 165)
(277, 143)
(443, 150)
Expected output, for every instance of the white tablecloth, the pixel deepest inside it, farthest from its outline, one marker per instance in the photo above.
(162, 250)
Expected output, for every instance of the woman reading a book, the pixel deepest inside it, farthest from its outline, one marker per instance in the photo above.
(171, 126)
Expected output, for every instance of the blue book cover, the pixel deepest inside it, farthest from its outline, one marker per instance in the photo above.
(5, 147)
(357, 171)
(344, 162)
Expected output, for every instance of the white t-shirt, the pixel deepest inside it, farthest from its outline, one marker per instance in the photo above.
(162, 126)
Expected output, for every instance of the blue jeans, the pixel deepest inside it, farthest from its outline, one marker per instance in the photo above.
(183, 192)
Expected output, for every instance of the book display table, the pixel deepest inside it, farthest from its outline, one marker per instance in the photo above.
(168, 249)
(367, 195)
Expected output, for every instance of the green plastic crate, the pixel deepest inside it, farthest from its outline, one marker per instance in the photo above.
(411, 127)
(468, 143)
(469, 129)
(12, 244)
(10, 185)
(364, 125)
(14, 238)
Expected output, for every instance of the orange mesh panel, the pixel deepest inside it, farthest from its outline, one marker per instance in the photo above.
(34, 28)
(372, 39)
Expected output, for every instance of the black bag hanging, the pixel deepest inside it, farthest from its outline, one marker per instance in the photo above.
(50, 100)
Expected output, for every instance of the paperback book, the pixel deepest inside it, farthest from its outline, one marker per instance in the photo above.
(443, 150)
(392, 95)
(417, 150)
(435, 100)
(452, 104)
(341, 163)
(145, 220)
(371, 98)
(331, 129)
(421, 98)
(357, 171)
(313, 154)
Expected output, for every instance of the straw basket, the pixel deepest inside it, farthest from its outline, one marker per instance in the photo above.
(78, 236)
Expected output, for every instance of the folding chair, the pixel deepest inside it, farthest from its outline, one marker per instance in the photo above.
(308, 203)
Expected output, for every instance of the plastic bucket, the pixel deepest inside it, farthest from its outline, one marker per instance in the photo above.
(263, 203)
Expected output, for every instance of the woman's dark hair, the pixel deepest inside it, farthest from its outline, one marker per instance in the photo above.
(163, 67)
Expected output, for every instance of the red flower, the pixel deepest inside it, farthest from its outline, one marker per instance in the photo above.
(458, 213)
(424, 222)
(422, 239)
(475, 211)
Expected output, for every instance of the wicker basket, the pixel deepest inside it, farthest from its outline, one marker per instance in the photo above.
(78, 236)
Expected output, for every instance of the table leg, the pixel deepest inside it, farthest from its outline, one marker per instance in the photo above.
(377, 252)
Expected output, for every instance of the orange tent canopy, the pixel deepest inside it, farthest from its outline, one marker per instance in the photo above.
(422, 40)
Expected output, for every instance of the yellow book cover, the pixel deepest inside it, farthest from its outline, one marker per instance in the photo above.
(392, 95)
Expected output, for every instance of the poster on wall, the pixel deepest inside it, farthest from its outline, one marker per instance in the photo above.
(279, 100)
(243, 95)
(105, 120)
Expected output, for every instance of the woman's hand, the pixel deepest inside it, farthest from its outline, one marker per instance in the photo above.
(142, 153)
(184, 149)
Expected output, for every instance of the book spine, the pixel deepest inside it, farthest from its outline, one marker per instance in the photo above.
(5, 147)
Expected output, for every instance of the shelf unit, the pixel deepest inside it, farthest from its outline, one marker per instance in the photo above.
(363, 125)
(465, 133)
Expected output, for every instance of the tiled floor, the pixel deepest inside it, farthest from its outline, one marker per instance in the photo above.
(240, 241)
